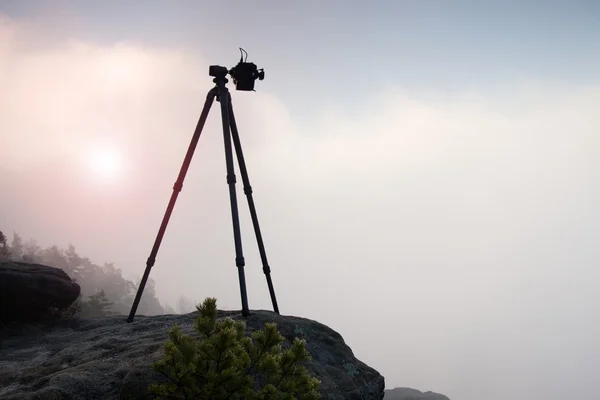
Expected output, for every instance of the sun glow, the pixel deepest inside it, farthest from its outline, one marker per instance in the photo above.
(105, 162)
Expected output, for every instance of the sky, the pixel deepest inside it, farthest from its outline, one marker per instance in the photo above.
(426, 174)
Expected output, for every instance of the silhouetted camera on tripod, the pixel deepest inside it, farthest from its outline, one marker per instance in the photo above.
(244, 74)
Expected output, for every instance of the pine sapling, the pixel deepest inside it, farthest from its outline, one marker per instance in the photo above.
(224, 363)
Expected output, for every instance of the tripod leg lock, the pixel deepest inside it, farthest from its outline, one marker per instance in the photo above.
(231, 179)
(248, 190)
(178, 186)
(240, 262)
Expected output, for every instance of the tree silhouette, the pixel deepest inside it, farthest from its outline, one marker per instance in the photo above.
(4, 249)
(16, 247)
(185, 305)
(97, 306)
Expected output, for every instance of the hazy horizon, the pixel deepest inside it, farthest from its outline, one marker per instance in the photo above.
(426, 174)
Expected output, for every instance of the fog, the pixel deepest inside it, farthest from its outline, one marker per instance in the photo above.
(450, 239)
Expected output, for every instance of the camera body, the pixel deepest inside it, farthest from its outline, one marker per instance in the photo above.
(217, 71)
(244, 74)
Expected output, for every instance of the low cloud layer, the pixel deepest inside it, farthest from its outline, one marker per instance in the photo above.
(449, 240)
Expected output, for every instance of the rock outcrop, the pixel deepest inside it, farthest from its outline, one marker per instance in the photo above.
(28, 291)
(412, 394)
(108, 358)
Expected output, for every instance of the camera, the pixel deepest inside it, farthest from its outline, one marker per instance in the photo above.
(244, 74)
(217, 71)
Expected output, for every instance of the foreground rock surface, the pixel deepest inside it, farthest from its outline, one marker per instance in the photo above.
(108, 358)
(412, 394)
(28, 290)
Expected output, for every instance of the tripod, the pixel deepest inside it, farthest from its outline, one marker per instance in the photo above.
(221, 93)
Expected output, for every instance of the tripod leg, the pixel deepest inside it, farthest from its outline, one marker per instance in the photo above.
(248, 192)
(224, 99)
(210, 97)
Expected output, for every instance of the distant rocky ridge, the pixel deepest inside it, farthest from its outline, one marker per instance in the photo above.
(412, 394)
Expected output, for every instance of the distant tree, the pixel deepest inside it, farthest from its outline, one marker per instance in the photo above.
(4, 249)
(73, 263)
(97, 306)
(16, 247)
(169, 309)
(119, 290)
(149, 304)
(185, 305)
(224, 363)
(31, 251)
(55, 257)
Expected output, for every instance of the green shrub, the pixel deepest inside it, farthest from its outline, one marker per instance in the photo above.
(225, 364)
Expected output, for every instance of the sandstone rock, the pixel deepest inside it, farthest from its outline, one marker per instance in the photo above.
(108, 358)
(412, 394)
(27, 291)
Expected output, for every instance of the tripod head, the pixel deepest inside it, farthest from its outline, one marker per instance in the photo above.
(244, 74)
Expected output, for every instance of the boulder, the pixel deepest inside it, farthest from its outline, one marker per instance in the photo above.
(412, 394)
(108, 358)
(28, 291)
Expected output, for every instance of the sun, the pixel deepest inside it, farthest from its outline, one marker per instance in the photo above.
(105, 162)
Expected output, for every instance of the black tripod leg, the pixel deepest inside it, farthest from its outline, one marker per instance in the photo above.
(224, 99)
(210, 97)
(248, 192)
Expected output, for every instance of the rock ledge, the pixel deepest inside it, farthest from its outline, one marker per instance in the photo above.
(108, 358)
